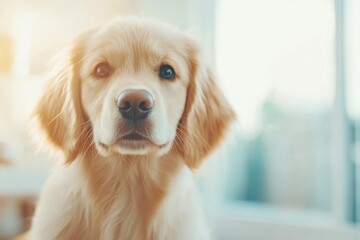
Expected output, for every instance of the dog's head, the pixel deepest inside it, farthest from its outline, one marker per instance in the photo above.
(135, 87)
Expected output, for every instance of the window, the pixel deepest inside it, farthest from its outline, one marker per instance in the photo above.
(276, 62)
(285, 65)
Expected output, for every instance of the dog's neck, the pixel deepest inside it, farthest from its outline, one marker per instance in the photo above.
(140, 182)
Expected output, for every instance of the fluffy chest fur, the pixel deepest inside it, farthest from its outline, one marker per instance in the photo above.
(132, 199)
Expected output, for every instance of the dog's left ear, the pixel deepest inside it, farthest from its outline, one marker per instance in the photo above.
(207, 115)
(59, 112)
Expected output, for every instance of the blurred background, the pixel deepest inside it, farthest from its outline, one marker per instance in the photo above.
(290, 68)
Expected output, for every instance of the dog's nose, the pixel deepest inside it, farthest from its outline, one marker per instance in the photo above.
(135, 104)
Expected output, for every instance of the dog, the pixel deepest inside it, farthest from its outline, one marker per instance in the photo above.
(133, 109)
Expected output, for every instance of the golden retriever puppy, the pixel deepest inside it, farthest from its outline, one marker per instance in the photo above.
(133, 109)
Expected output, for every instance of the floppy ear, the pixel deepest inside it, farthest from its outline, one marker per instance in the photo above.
(206, 117)
(59, 112)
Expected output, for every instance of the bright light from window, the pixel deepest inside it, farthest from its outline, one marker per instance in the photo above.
(268, 50)
(22, 32)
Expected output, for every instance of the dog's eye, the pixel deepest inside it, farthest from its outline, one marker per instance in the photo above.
(166, 72)
(102, 70)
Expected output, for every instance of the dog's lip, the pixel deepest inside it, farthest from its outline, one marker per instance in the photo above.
(128, 138)
(133, 139)
(134, 136)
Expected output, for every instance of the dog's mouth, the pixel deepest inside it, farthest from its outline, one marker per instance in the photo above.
(133, 136)
(133, 143)
(134, 140)
(129, 139)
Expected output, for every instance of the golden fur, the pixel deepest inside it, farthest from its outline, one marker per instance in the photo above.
(102, 191)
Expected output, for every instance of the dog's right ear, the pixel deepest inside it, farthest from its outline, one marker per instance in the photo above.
(59, 112)
(207, 115)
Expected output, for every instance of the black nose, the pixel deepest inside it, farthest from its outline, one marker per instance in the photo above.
(135, 104)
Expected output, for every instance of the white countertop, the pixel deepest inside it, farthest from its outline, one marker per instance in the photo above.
(15, 183)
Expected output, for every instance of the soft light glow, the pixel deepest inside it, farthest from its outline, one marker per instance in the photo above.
(22, 33)
(268, 50)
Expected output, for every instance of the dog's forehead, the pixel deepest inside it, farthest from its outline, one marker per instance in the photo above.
(139, 36)
(134, 36)
(133, 45)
